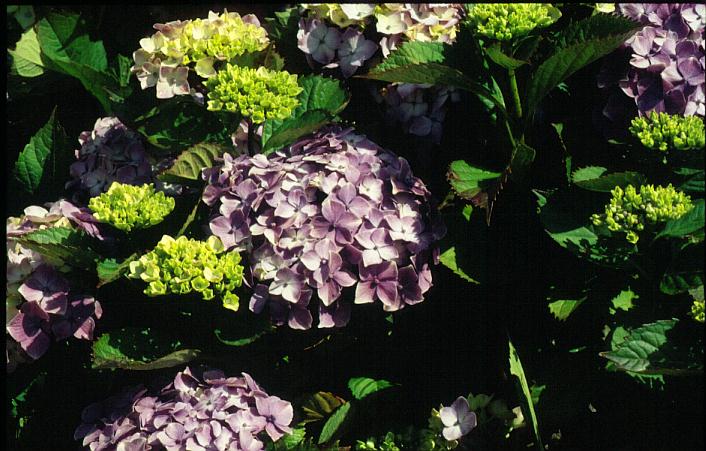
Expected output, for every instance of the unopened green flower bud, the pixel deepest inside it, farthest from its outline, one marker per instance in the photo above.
(665, 132)
(507, 21)
(128, 207)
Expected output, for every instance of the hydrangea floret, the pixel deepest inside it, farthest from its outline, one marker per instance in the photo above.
(206, 412)
(256, 93)
(508, 21)
(630, 211)
(128, 207)
(666, 68)
(184, 265)
(664, 132)
(40, 306)
(165, 59)
(109, 153)
(332, 211)
(698, 311)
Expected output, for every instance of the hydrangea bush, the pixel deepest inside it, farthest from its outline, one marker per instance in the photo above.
(332, 211)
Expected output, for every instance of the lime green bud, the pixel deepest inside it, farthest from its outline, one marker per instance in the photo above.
(128, 207)
(257, 93)
(507, 21)
(629, 211)
(697, 311)
(665, 132)
(184, 265)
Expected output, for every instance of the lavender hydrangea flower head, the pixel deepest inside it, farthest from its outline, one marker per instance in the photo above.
(210, 412)
(333, 211)
(110, 152)
(666, 68)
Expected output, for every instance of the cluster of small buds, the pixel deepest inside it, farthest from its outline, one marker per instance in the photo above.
(665, 132)
(38, 304)
(109, 153)
(184, 265)
(166, 58)
(193, 413)
(418, 109)
(128, 207)
(508, 21)
(630, 211)
(666, 71)
(332, 211)
(698, 311)
(256, 93)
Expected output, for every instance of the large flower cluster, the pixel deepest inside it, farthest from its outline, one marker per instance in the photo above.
(216, 413)
(666, 72)
(39, 305)
(128, 207)
(332, 211)
(184, 265)
(507, 21)
(165, 58)
(629, 211)
(340, 43)
(110, 152)
(419, 109)
(256, 93)
(664, 132)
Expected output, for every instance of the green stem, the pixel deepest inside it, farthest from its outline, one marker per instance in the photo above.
(515, 94)
(251, 138)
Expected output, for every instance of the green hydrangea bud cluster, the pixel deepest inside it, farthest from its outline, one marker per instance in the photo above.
(257, 93)
(664, 132)
(507, 21)
(128, 207)
(697, 311)
(184, 265)
(629, 211)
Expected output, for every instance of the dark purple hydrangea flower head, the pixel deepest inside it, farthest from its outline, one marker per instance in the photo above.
(665, 72)
(332, 211)
(110, 152)
(207, 412)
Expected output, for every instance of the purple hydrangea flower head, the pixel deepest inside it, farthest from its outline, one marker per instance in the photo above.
(110, 152)
(665, 72)
(332, 212)
(458, 419)
(207, 412)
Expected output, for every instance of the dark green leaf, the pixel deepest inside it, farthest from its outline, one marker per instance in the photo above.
(319, 406)
(363, 386)
(692, 221)
(595, 27)
(695, 183)
(527, 406)
(41, 160)
(321, 93)
(413, 52)
(335, 424)
(188, 165)
(277, 134)
(585, 44)
(496, 54)
(241, 341)
(62, 244)
(685, 272)
(466, 180)
(606, 183)
(134, 349)
(109, 270)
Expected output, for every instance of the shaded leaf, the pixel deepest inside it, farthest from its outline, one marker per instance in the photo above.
(280, 133)
(135, 349)
(527, 406)
(496, 54)
(335, 424)
(466, 180)
(319, 406)
(188, 165)
(109, 270)
(606, 183)
(241, 341)
(322, 93)
(692, 221)
(448, 259)
(62, 244)
(363, 386)
(413, 52)
(685, 272)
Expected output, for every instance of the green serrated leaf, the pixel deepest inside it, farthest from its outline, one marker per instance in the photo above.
(594, 43)
(496, 54)
(692, 221)
(241, 341)
(109, 270)
(26, 58)
(40, 160)
(685, 272)
(624, 301)
(62, 245)
(695, 183)
(335, 424)
(363, 386)
(466, 180)
(527, 406)
(587, 173)
(413, 52)
(134, 349)
(596, 26)
(562, 308)
(606, 183)
(448, 259)
(188, 165)
(644, 348)
(321, 93)
(278, 133)
(319, 406)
